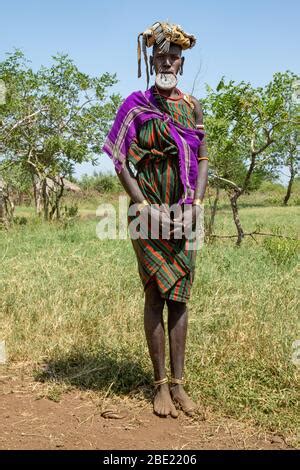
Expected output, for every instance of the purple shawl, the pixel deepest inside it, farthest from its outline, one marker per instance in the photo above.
(139, 108)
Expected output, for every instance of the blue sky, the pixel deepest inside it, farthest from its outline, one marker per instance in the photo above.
(241, 40)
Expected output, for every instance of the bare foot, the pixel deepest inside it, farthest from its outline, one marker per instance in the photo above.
(163, 405)
(180, 397)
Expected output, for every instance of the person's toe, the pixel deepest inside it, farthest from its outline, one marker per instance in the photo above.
(189, 411)
(174, 412)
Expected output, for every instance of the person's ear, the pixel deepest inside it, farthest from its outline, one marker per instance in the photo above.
(181, 66)
(151, 65)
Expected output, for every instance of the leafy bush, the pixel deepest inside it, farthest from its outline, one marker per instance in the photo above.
(70, 211)
(281, 250)
(272, 187)
(20, 220)
(103, 183)
(69, 215)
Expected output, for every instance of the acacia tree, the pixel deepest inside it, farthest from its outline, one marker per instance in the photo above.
(243, 124)
(286, 148)
(51, 120)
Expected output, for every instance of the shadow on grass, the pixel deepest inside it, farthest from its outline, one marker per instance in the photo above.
(107, 372)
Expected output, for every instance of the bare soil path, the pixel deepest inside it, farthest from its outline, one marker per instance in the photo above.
(77, 421)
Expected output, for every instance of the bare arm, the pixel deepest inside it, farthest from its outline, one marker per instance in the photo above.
(202, 180)
(203, 164)
(130, 185)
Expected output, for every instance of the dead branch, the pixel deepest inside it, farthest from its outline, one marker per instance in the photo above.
(251, 234)
(227, 181)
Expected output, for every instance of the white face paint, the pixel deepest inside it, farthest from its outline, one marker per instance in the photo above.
(166, 81)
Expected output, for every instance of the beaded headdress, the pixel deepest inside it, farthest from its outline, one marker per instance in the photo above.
(163, 34)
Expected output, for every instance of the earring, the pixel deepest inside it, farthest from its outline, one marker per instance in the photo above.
(181, 66)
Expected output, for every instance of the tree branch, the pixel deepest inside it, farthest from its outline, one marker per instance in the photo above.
(26, 118)
(256, 233)
(227, 181)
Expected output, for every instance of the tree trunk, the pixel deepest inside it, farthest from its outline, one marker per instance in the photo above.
(3, 217)
(233, 196)
(45, 195)
(9, 207)
(213, 210)
(289, 188)
(233, 201)
(20, 198)
(57, 193)
(38, 195)
(58, 197)
(6, 208)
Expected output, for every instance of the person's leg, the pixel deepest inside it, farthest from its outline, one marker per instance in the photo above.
(177, 327)
(155, 335)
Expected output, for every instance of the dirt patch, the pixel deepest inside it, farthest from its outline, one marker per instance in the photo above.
(78, 421)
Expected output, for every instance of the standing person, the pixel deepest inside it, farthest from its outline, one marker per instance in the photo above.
(158, 147)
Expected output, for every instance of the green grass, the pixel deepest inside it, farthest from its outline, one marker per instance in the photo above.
(75, 302)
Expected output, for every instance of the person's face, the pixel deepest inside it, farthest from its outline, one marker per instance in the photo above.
(167, 62)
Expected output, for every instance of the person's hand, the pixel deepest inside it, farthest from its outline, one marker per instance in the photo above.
(189, 218)
(156, 221)
(162, 223)
(175, 224)
(196, 211)
(170, 228)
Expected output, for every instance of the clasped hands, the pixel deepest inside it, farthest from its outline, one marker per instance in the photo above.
(172, 224)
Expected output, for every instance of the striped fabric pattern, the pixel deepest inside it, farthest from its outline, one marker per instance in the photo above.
(153, 153)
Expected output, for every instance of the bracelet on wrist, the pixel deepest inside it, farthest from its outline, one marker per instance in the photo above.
(197, 202)
(141, 205)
